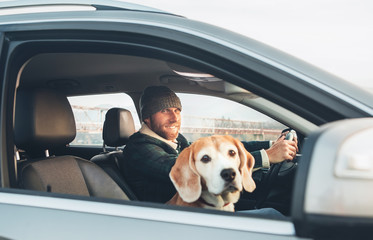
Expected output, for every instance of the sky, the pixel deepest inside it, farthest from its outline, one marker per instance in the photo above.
(335, 35)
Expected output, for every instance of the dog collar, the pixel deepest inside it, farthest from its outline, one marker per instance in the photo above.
(211, 205)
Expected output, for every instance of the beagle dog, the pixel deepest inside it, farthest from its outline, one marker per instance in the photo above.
(211, 173)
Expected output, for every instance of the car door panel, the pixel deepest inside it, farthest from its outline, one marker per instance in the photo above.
(42, 217)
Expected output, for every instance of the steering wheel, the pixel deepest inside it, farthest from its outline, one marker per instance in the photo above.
(276, 171)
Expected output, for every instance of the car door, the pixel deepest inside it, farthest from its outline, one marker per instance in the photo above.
(42, 216)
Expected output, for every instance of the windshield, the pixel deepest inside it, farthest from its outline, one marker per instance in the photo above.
(334, 35)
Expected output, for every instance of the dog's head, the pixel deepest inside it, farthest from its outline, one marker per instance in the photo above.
(219, 165)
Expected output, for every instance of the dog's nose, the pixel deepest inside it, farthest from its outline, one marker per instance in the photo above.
(228, 174)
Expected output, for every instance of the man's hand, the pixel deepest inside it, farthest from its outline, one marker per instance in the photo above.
(282, 149)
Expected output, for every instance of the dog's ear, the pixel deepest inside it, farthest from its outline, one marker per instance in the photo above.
(185, 177)
(246, 167)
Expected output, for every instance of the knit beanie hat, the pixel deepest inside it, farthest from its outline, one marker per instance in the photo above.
(156, 98)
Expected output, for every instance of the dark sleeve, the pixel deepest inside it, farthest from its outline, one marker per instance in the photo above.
(256, 145)
(254, 148)
(258, 159)
(151, 160)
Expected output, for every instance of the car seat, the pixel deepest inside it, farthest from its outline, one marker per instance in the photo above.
(118, 127)
(44, 121)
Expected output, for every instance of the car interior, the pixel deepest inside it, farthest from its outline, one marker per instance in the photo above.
(44, 125)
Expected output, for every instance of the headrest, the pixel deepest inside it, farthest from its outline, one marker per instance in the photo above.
(43, 120)
(118, 127)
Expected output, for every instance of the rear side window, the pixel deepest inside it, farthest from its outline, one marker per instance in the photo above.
(89, 112)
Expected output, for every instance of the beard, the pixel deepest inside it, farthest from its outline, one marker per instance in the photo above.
(168, 131)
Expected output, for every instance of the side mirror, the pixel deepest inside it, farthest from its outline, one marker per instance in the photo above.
(333, 195)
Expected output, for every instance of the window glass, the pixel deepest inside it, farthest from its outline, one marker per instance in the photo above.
(206, 115)
(89, 112)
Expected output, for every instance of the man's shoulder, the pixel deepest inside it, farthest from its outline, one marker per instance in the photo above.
(140, 143)
(180, 137)
(182, 141)
(139, 137)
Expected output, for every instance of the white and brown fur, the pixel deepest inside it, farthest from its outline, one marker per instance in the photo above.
(211, 173)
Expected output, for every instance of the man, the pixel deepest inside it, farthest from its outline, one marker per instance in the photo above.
(152, 151)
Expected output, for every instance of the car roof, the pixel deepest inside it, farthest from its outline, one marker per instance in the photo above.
(25, 6)
(149, 24)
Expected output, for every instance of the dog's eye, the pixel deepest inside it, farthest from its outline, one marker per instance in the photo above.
(231, 153)
(205, 159)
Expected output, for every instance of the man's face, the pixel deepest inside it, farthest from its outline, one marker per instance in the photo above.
(165, 123)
